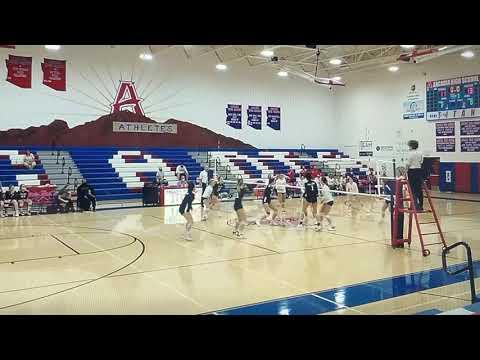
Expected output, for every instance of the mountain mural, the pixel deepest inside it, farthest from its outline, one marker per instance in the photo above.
(100, 133)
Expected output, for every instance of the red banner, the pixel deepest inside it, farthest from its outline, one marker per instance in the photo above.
(8, 46)
(19, 71)
(55, 74)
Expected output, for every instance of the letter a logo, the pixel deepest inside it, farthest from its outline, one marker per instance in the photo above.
(127, 99)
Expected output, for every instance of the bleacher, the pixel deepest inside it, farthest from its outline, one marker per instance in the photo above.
(120, 173)
(255, 164)
(12, 171)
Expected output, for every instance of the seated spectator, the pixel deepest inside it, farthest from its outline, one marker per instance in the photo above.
(2, 203)
(22, 199)
(86, 197)
(29, 160)
(181, 172)
(11, 199)
(65, 200)
(159, 176)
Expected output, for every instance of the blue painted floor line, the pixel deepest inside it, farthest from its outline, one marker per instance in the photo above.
(354, 295)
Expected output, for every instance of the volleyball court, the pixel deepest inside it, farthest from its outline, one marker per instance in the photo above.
(309, 198)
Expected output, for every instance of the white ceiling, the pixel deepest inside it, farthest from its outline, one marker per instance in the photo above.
(303, 59)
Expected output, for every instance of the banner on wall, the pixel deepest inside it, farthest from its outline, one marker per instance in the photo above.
(19, 71)
(470, 128)
(234, 116)
(445, 144)
(470, 144)
(254, 117)
(55, 74)
(366, 148)
(445, 129)
(273, 117)
(414, 106)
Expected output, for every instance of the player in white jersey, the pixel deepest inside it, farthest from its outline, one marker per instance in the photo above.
(327, 203)
(281, 188)
(206, 196)
(350, 187)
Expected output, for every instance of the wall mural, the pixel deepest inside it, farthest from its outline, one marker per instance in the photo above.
(124, 111)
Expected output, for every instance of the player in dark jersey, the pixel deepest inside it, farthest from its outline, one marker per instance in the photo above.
(185, 209)
(267, 201)
(215, 198)
(23, 200)
(310, 198)
(238, 207)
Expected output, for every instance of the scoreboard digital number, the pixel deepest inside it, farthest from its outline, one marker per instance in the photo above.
(457, 98)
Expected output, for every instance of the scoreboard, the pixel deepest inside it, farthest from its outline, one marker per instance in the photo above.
(457, 98)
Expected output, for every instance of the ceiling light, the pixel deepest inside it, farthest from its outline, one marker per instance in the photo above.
(282, 73)
(407, 46)
(336, 78)
(221, 67)
(442, 48)
(468, 54)
(393, 68)
(52, 47)
(267, 53)
(335, 61)
(146, 56)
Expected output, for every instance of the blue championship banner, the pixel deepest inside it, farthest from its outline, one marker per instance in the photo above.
(470, 144)
(234, 116)
(445, 144)
(469, 128)
(254, 117)
(445, 129)
(273, 117)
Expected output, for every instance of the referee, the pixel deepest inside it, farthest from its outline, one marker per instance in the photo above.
(415, 173)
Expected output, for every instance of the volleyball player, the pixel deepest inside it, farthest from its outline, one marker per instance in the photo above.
(267, 202)
(239, 210)
(327, 203)
(281, 188)
(185, 210)
(310, 200)
(350, 187)
(215, 198)
(206, 197)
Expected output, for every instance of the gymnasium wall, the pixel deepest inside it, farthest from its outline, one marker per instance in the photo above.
(172, 87)
(371, 107)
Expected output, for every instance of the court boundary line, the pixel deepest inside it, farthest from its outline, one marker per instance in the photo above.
(90, 281)
(56, 238)
(420, 273)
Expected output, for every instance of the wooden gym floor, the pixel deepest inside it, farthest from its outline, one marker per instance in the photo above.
(134, 261)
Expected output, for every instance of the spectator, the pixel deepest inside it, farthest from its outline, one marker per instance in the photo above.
(2, 201)
(315, 172)
(160, 176)
(11, 199)
(181, 172)
(372, 181)
(22, 199)
(86, 197)
(29, 160)
(65, 199)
